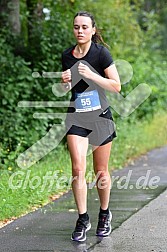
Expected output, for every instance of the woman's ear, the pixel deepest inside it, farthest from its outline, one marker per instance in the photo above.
(94, 31)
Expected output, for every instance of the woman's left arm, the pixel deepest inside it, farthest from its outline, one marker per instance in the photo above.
(110, 83)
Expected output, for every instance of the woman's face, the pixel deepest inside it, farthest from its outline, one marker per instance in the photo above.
(83, 29)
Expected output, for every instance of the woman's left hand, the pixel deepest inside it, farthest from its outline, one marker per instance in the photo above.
(84, 70)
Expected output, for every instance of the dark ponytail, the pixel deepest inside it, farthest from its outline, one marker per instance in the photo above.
(96, 38)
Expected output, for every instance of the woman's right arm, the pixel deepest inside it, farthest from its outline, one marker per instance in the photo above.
(66, 75)
(66, 80)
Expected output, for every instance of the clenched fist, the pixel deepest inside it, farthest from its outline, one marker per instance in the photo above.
(84, 70)
(66, 76)
(66, 79)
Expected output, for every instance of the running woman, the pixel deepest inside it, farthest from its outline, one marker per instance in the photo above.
(89, 70)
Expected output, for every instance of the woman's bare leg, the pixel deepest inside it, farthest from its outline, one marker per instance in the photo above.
(101, 156)
(78, 146)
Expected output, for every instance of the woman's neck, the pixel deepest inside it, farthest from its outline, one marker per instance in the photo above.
(82, 49)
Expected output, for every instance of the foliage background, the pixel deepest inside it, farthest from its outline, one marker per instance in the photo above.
(135, 31)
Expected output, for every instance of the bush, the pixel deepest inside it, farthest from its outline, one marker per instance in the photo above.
(21, 56)
(18, 128)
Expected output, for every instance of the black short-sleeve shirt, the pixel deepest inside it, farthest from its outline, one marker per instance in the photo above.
(98, 58)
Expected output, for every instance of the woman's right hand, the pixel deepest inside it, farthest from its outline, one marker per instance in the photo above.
(66, 76)
(66, 80)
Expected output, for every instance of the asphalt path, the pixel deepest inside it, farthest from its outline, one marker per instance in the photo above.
(138, 203)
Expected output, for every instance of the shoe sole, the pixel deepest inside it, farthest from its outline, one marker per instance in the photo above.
(84, 239)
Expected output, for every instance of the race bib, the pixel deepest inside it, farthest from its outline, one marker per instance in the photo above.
(87, 101)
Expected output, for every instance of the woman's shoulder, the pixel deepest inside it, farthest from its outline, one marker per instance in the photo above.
(103, 54)
(100, 48)
(97, 46)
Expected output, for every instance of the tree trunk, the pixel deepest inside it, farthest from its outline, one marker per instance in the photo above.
(9, 15)
(35, 15)
(14, 17)
(148, 5)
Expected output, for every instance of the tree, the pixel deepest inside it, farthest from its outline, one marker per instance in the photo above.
(9, 15)
(35, 15)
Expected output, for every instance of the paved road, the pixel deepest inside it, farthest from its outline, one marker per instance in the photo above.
(138, 203)
(144, 231)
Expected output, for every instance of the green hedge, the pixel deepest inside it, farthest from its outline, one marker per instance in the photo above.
(20, 57)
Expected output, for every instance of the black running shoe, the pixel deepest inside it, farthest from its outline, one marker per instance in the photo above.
(104, 225)
(81, 228)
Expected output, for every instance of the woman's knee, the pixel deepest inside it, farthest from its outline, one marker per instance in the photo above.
(101, 170)
(78, 170)
(102, 177)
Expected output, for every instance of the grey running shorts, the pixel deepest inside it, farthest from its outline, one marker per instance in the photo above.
(98, 132)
